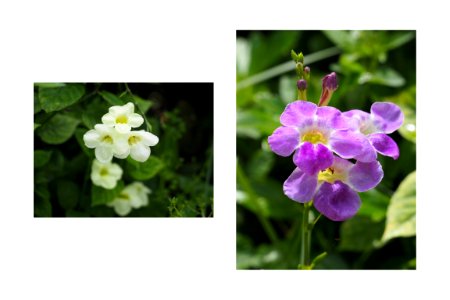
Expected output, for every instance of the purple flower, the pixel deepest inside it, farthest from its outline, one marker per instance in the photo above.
(384, 117)
(314, 133)
(329, 85)
(334, 189)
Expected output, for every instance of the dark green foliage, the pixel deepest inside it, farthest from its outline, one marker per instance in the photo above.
(371, 66)
(179, 170)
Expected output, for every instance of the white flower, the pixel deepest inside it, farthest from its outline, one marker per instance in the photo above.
(105, 175)
(122, 118)
(106, 141)
(132, 196)
(139, 143)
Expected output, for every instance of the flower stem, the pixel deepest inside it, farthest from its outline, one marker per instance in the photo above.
(305, 253)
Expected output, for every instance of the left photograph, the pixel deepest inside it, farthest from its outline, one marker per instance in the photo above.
(123, 149)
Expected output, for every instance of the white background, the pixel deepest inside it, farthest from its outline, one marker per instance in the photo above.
(170, 41)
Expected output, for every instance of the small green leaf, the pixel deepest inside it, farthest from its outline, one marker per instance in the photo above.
(54, 99)
(111, 98)
(41, 158)
(144, 170)
(36, 126)
(101, 196)
(67, 192)
(37, 105)
(401, 214)
(58, 129)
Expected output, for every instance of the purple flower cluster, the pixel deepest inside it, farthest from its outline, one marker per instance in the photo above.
(323, 139)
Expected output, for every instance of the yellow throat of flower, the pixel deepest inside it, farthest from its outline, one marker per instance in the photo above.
(314, 137)
(122, 120)
(330, 175)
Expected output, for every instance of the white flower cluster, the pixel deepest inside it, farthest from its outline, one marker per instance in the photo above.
(115, 138)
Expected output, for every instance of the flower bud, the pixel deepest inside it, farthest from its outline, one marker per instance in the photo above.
(329, 85)
(306, 72)
(302, 84)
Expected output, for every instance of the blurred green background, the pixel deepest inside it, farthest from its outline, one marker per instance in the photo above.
(371, 66)
(179, 170)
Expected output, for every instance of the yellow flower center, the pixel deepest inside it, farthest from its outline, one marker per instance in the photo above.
(314, 137)
(330, 175)
(122, 119)
(103, 172)
(133, 140)
(107, 139)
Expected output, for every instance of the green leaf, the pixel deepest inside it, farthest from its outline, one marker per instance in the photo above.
(58, 129)
(42, 204)
(54, 99)
(254, 123)
(386, 76)
(360, 234)
(374, 205)
(49, 84)
(67, 192)
(41, 158)
(111, 98)
(401, 214)
(36, 126)
(144, 170)
(101, 196)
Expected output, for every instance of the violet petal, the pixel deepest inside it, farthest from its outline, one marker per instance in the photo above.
(384, 145)
(337, 201)
(365, 176)
(300, 186)
(388, 117)
(284, 140)
(311, 158)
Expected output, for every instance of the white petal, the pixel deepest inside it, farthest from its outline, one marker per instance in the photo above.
(149, 138)
(140, 152)
(91, 138)
(115, 171)
(123, 128)
(103, 129)
(122, 156)
(109, 119)
(129, 108)
(121, 146)
(103, 153)
(135, 120)
(122, 208)
(108, 182)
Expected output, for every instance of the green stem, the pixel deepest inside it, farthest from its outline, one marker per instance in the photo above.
(302, 95)
(286, 67)
(305, 259)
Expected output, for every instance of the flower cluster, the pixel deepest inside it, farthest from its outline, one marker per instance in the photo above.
(115, 138)
(323, 139)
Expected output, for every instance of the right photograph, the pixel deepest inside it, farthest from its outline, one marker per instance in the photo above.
(326, 150)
